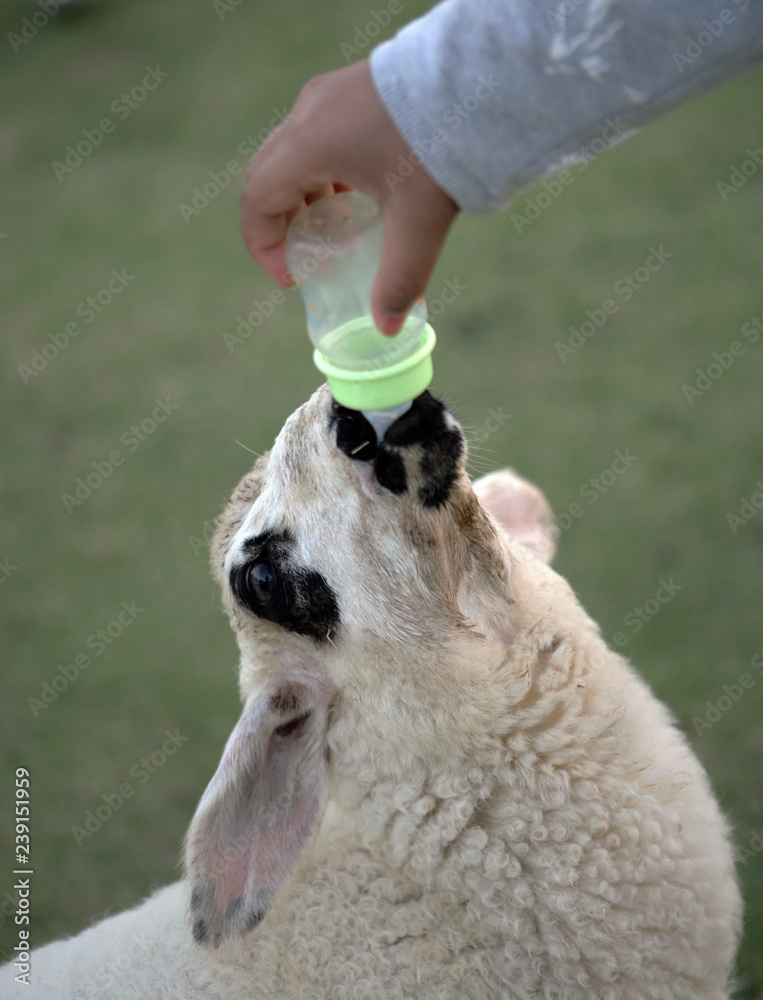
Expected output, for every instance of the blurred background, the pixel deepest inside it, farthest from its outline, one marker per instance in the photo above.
(128, 415)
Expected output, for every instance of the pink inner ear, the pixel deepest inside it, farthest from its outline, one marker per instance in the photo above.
(262, 807)
(521, 510)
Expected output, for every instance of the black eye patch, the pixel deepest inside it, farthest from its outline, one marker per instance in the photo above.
(354, 434)
(272, 587)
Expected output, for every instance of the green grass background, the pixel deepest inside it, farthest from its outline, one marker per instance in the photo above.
(133, 539)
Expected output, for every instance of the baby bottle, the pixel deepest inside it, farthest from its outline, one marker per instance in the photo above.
(333, 249)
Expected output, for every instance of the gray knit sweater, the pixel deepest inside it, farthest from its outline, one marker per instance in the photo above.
(495, 94)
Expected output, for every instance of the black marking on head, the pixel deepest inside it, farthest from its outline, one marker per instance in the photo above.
(283, 702)
(439, 468)
(425, 424)
(200, 932)
(390, 471)
(355, 436)
(422, 423)
(254, 546)
(296, 598)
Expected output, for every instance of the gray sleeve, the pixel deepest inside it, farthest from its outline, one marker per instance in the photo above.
(492, 95)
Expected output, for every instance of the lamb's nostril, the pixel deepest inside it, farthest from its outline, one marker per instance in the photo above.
(355, 436)
(428, 425)
(390, 471)
(423, 423)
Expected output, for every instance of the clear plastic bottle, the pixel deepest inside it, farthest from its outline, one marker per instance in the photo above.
(333, 249)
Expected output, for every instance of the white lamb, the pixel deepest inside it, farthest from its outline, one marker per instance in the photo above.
(443, 783)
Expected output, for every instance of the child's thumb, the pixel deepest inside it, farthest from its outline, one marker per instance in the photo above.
(414, 232)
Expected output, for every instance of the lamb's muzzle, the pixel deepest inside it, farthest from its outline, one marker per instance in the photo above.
(426, 424)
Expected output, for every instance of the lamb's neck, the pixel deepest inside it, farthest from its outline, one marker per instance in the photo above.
(428, 819)
(416, 823)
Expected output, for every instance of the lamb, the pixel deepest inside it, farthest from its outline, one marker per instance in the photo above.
(443, 784)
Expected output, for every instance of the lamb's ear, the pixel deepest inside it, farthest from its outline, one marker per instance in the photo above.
(521, 510)
(260, 810)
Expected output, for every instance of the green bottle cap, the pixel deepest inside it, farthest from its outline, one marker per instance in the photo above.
(381, 386)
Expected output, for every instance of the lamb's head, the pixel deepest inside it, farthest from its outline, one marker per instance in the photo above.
(370, 591)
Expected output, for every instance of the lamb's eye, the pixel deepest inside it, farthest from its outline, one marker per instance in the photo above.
(261, 581)
(354, 435)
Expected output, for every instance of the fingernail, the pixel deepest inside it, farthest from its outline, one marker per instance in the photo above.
(391, 323)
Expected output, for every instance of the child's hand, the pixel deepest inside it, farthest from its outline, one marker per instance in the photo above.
(339, 135)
